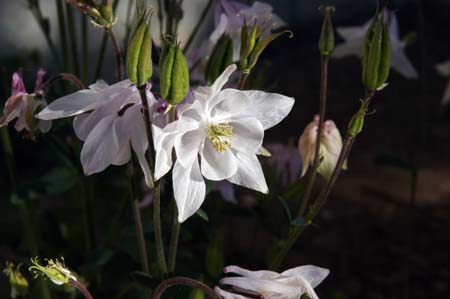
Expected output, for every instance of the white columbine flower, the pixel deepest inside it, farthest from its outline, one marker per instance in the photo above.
(330, 147)
(290, 284)
(108, 119)
(353, 40)
(444, 69)
(226, 128)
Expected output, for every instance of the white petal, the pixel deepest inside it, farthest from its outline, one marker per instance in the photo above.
(268, 108)
(443, 68)
(100, 147)
(45, 125)
(249, 173)
(79, 125)
(228, 295)
(248, 135)
(446, 97)
(309, 289)
(222, 79)
(251, 274)
(350, 48)
(314, 275)
(352, 33)
(217, 166)
(402, 64)
(187, 146)
(189, 189)
(139, 143)
(228, 103)
(123, 128)
(259, 285)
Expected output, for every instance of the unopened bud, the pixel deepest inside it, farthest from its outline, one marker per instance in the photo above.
(376, 53)
(326, 41)
(221, 57)
(248, 42)
(174, 75)
(139, 55)
(356, 124)
(19, 284)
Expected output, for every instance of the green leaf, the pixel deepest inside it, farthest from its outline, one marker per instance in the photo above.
(202, 214)
(286, 209)
(299, 221)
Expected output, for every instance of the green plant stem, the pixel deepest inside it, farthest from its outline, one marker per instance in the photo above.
(117, 53)
(160, 255)
(160, 20)
(44, 25)
(322, 110)
(242, 80)
(128, 22)
(84, 49)
(29, 233)
(137, 218)
(295, 232)
(62, 34)
(73, 39)
(198, 25)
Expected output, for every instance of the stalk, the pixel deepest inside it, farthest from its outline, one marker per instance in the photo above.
(117, 53)
(62, 34)
(73, 39)
(322, 110)
(84, 49)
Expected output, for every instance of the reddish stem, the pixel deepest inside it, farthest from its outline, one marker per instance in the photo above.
(81, 288)
(63, 76)
(168, 283)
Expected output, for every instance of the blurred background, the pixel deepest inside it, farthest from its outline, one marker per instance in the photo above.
(384, 233)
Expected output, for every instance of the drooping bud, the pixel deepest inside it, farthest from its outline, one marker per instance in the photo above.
(174, 74)
(55, 270)
(139, 54)
(101, 14)
(326, 41)
(248, 42)
(221, 57)
(330, 147)
(376, 53)
(19, 284)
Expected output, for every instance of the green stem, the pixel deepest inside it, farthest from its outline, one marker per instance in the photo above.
(137, 218)
(198, 26)
(62, 34)
(322, 110)
(117, 53)
(73, 39)
(84, 49)
(242, 80)
(160, 255)
(294, 232)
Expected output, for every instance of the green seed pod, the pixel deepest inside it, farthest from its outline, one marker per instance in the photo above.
(248, 43)
(139, 54)
(376, 54)
(326, 41)
(174, 82)
(221, 57)
(356, 124)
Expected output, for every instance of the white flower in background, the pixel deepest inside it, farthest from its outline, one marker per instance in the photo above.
(444, 69)
(229, 19)
(330, 147)
(226, 128)
(290, 284)
(353, 40)
(110, 122)
(23, 106)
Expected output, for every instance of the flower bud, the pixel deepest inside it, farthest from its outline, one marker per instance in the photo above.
(19, 284)
(248, 42)
(356, 124)
(139, 55)
(376, 53)
(221, 57)
(326, 41)
(329, 151)
(174, 75)
(101, 14)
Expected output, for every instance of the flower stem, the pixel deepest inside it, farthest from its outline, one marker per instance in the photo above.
(63, 76)
(295, 232)
(242, 80)
(198, 25)
(137, 218)
(62, 34)
(73, 39)
(82, 288)
(117, 53)
(84, 49)
(160, 255)
(168, 283)
(322, 109)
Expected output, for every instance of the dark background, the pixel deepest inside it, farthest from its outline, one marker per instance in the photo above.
(385, 230)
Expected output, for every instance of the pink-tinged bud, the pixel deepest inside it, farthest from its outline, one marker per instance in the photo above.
(17, 85)
(330, 147)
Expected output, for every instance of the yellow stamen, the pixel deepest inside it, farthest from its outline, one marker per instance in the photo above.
(219, 135)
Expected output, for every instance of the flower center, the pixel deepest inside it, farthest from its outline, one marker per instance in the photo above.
(219, 135)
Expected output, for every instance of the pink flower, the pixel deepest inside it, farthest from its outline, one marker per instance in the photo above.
(330, 147)
(23, 106)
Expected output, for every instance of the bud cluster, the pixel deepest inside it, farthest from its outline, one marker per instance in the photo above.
(101, 13)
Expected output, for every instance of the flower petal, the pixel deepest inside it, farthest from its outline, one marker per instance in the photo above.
(268, 108)
(261, 286)
(100, 147)
(189, 189)
(251, 274)
(228, 295)
(314, 275)
(401, 63)
(187, 146)
(227, 103)
(139, 143)
(123, 128)
(248, 135)
(217, 166)
(249, 173)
